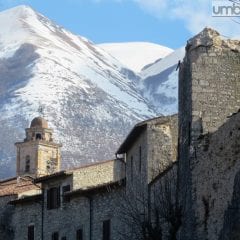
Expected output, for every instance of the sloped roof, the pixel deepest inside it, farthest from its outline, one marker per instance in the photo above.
(15, 186)
(138, 129)
(96, 189)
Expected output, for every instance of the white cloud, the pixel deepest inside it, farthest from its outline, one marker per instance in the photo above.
(195, 15)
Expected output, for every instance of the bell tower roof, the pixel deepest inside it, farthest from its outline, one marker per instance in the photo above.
(39, 122)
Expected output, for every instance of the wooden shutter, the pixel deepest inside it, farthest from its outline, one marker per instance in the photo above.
(49, 199)
(79, 235)
(140, 159)
(58, 197)
(106, 230)
(31, 232)
(55, 236)
(53, 198)
(64, 190)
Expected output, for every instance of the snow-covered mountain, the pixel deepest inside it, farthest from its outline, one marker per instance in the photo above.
(136, 55)
(89, 98)
(159, 82)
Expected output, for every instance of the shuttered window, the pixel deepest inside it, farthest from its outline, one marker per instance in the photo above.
(53, 198)
(79, 234)
(55, 236)
(31, 232)
(106, 230)
(64, 190)
(131, 162)
(140, 159)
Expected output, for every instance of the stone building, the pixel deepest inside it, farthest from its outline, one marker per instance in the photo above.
(150, 150)
(86, 202)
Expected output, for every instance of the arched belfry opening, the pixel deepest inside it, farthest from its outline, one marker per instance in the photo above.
(38, 136)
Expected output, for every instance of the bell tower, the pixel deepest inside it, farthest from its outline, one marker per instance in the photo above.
(38, 154)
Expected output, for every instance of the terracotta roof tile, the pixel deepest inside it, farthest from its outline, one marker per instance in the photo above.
(15, 186)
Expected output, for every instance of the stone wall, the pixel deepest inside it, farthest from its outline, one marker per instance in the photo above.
(67, 219)
(162, 144)
(153, 151)
(25, 215)
(99, 173)
(42, 154)
(106, 206)
(208, 93)
(71, 216)
(6, 213)
(216, 183)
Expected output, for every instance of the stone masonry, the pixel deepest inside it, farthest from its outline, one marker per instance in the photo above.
(209, 93)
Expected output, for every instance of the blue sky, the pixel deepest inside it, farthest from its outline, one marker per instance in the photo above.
(165, 22)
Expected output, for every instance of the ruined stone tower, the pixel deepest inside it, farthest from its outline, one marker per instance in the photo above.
(209, 92)
(38, 154)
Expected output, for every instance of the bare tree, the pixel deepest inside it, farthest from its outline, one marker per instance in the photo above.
(165, 202)
(152, 214)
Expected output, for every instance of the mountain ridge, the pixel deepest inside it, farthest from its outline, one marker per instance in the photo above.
(136, 55)
(90, 99)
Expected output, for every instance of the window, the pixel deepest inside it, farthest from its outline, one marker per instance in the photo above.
(53, 198)
(55, 236)
(31, 232)
(79, 234)
(38, 136)
(27, 164)
(106, 230)
(64, 238)
(64, 190)
(189, 133)
(131, 168)
(140, 158)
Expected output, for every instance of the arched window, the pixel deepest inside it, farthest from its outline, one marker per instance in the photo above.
(27, 164)
(38, 136)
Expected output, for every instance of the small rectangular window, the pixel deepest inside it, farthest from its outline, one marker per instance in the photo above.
(106, 230)
(189, 133)
(140, 158)
(79, 234)
(53, 198)
(131, 168)
(64, 190)
(27, 164)
(31, 232)
(55, 236)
